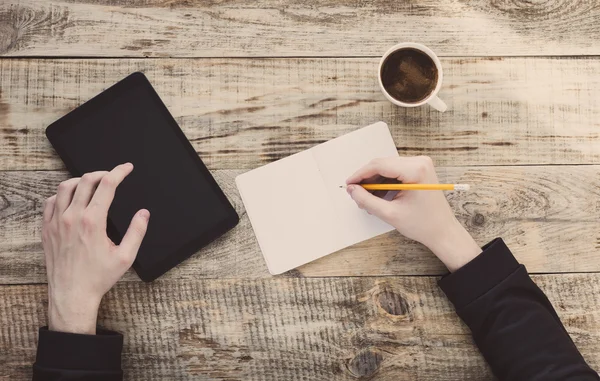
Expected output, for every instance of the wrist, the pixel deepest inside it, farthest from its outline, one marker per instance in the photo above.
(455, 247)
(73, 316)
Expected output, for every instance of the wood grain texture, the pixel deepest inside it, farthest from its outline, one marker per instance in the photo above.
(548, 216)
(385, 329)
(220, 315)
(242, 113)
(184, 28)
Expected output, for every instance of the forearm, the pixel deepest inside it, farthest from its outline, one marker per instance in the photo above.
(513, 323)
(66, 315)
(454, 246)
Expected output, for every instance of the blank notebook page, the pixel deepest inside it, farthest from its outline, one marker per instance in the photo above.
(297, 209)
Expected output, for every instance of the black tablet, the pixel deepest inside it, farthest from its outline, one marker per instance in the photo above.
(129, 123)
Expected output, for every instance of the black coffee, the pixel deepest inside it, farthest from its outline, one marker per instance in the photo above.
(409, 75)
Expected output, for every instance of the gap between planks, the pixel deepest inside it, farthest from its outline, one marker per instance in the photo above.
(572, 57)
(321, 277)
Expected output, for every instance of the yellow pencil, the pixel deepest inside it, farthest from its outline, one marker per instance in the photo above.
(399, 187)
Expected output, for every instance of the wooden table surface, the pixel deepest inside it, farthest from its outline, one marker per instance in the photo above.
(250, 82)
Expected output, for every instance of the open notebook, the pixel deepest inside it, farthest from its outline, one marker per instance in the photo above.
(296, 206)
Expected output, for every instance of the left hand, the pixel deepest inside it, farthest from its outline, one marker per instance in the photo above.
(82, 263)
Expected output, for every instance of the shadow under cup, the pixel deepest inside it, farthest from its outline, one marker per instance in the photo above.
(409, 75)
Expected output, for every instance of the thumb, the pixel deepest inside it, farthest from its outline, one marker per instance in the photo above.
(132, 240)
(372, 204)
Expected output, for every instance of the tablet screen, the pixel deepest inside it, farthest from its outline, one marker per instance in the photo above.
(132, 125)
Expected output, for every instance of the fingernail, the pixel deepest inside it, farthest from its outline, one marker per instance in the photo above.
(350, 189)
(128, 165)
(144, 214)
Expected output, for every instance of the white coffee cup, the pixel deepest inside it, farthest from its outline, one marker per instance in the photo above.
(432, 99)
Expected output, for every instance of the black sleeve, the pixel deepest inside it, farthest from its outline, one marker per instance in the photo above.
(69, 356)
(512, 321)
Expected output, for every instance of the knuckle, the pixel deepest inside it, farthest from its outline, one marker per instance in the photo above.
(87, 178)
(108, 181)
(63, 186)
(88, 220)
(377, 161)
(423, 166)
(67, 220)
(427, 161)
(125, 260)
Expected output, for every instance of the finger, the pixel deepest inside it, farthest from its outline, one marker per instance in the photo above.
(105, 192)
(49, 208)
(66, 189)
(85, 188)
(130, 244)
(372, 204)
(405, 169)
(390, 167)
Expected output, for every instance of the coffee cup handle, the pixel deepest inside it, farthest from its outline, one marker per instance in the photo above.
(437, 104)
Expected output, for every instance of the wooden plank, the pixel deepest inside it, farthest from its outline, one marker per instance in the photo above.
(400, 328)
(244, 113)
(547, 215)
(180, 28)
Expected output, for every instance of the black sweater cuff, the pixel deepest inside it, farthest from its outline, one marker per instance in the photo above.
(477, 277)
(62, 350)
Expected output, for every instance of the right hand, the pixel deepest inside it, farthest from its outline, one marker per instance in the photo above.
(424, 216)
